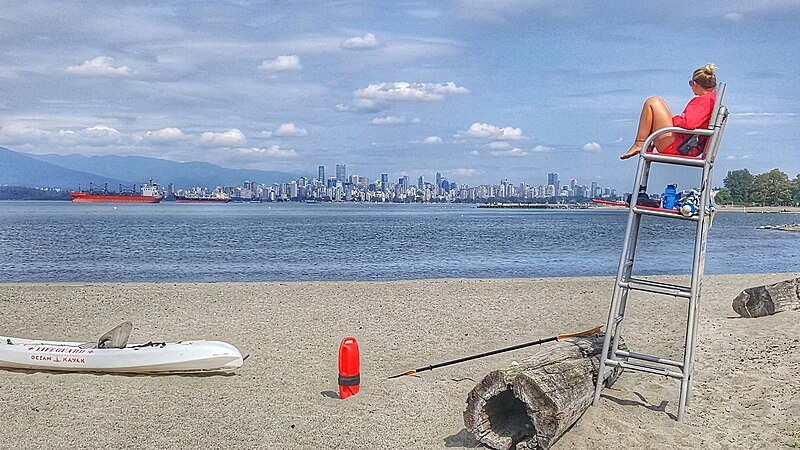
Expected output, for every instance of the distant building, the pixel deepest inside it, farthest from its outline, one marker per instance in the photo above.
(552, 179)
(341, 173)
(321, 173)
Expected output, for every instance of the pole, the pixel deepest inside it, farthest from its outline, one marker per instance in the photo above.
(502, 350)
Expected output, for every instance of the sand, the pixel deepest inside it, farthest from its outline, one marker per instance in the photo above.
(759, 209)
(747, 389)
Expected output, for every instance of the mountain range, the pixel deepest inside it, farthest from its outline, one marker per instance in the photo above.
(72, 171)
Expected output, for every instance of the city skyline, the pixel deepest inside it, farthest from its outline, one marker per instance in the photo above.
(355, 187)
(477, 90)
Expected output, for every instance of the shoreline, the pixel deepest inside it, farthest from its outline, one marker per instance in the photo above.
(760, 209)
(285, 394)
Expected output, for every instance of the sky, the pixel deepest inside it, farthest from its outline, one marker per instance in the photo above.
(478, 90)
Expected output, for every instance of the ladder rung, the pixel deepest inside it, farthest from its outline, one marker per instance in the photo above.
(656, 287)
(644, 368)
(677, 160)
(649, 358)
(659, 213)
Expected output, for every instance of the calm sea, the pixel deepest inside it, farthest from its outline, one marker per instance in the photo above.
(167, 242)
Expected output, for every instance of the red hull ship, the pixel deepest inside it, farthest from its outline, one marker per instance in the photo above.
(149, 194)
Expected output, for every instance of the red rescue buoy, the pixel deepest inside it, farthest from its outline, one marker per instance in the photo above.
(349, 364)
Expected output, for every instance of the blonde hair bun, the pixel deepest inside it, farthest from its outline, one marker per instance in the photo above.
(705, 76)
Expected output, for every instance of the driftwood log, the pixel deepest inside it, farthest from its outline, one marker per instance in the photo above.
(532, 404)
(763, 301)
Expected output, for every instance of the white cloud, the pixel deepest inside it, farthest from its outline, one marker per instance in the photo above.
(365, 104)
(542, 149)
(501, 11)
(389, 120)
(101, 135)
(274, 151)
(485, 130)
(15, 134)
(426, 14)
(512, 152)
(365, 42)
(431, 140)
(592, 147)
(499, 145)
(100, 66)
(289, 129)
(402, 91)
(283, 63)
(165, 135)
(341, 107)
(231, 138)
(764, 119)
(463, 173)
(736, 157)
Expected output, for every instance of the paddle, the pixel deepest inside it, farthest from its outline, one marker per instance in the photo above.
(494, 352)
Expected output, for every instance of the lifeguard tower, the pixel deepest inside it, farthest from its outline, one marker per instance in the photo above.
(615, 359)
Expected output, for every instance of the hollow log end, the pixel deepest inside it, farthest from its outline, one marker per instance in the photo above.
(495, 416)
(530, 405)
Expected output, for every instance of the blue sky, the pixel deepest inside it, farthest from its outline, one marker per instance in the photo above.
(476, 90)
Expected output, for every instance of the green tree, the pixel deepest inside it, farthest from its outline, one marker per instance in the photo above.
(739, 184)
(771, 188)
(723, 197)
(796, 189)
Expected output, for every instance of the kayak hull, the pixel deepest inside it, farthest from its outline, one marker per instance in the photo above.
(174, 357)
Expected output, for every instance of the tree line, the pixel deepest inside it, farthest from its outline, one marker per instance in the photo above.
(28, 193)
(773, 188)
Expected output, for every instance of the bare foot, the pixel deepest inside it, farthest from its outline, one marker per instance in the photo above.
(635, 149)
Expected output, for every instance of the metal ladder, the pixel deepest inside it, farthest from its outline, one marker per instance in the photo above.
(613, 359)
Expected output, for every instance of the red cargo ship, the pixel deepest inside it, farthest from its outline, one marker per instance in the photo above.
(149, 194)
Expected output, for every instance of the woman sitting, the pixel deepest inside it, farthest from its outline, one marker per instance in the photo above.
(656, 115)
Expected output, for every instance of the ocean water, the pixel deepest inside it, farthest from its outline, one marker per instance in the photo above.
(167, 242)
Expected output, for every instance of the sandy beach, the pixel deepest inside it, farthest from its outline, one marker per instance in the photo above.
(760, 209)
(747, 379)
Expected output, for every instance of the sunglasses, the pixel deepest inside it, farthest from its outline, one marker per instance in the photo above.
(692, 82)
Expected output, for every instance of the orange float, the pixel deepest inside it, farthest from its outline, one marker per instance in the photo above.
(349, 366)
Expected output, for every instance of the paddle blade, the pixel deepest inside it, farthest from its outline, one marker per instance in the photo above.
(410, 372)
(582, 333)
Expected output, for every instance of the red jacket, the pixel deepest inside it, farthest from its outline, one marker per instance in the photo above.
(696, 115)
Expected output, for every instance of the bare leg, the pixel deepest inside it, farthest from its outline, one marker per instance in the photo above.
(655, 115)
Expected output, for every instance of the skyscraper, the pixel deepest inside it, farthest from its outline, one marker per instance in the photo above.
(341, 172)
(321, 174)
(552, 179)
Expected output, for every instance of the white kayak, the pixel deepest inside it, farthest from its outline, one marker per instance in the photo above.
(160, 357)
